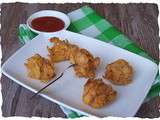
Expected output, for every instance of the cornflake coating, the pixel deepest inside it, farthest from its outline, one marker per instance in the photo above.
(98, 94)
(119, 72)
(61, 50)
(40, 68)
(86, 64)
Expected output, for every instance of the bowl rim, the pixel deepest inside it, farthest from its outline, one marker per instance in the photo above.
(66, 22)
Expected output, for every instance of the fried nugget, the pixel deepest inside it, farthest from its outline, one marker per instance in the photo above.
(85, 63)
(60, 51)
(119, 72)
(98, 94)
(40, 68)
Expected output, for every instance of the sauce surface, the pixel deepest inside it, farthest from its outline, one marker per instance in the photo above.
(47, 24)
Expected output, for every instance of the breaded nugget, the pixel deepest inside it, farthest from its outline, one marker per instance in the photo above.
(40, 68)
(119, 72)
(86, 64)
(98, 94)
(84, 57)
(59, 52)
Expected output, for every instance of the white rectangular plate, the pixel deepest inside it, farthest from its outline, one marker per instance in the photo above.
(68, 90)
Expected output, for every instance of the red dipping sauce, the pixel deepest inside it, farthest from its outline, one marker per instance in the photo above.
(47, 24)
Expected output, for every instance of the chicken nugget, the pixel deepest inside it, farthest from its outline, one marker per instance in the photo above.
(59, 52)
(86, 64)
(97, 94)
(40, 68)
(119, 72)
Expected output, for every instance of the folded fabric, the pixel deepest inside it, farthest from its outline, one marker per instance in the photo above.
(87, 22)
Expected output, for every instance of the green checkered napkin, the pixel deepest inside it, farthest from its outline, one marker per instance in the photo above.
(87, 22)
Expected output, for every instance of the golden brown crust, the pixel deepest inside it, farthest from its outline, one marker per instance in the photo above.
(119, 72)
(86, 64)
(59, 52)
(98, 94)
(40, 68)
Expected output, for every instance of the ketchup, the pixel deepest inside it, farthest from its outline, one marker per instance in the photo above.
(47, 24)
